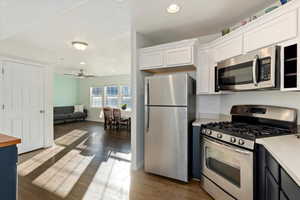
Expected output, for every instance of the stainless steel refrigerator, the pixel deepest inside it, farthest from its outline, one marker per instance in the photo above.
(169, 113)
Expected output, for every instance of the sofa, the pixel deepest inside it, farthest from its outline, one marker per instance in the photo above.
(65, 114)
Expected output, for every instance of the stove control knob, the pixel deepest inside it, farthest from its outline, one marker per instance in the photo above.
(203, 131)
(208, 132)
(232, 140)
(241, 142)
(219, 135)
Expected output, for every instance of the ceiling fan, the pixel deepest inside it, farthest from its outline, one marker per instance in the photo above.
(81, 74)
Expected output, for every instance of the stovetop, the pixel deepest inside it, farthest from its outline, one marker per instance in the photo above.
(246, 130)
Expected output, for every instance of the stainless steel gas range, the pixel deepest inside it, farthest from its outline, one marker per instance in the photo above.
(228, 148)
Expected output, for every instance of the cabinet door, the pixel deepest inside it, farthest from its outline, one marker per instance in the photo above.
(272, 189)
(277, 30)
(179, 56)
(282, 196)
(291, 189)
(228, 49)
(203, 80)
(203, 73)
(196, 169)
(148, 60)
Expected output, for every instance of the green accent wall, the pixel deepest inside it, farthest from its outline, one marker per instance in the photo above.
(66, 90)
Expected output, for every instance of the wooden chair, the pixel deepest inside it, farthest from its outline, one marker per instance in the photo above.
(119, 121)
(108, 117)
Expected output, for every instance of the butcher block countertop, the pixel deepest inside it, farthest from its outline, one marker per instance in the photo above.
(6, 140)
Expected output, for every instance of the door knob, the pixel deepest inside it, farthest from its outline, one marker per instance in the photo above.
(42, 111)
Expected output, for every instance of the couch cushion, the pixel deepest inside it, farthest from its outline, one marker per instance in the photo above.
(63, 110)
(78, 115)
(61, 116)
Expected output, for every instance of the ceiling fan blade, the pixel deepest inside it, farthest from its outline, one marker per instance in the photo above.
(70, 74)
(89, 76)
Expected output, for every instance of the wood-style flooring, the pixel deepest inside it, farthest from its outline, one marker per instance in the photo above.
(90, 163)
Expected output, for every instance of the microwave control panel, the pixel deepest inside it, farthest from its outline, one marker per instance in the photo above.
(265, 69)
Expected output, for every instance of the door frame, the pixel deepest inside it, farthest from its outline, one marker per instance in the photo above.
(48, 134)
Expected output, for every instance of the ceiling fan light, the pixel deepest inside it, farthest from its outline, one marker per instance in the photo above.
(173, 8)
(80, 45)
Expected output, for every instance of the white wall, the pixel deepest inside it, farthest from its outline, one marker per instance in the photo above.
(277, 98)
(137, 84)
(208, 104)
(84, 92)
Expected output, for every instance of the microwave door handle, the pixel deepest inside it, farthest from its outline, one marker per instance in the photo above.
(254, 70)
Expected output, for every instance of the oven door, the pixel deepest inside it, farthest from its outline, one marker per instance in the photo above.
(229, 167)
(255, 70)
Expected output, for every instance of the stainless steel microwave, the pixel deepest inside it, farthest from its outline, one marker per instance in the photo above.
(255, 70)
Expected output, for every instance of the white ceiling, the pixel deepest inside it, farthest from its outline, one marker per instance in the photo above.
(43, 31)
(196, 17)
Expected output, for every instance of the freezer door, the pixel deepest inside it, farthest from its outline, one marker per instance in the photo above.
(168, 90)
(166, 142)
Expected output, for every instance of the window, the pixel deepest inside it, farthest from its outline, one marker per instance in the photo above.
(111, 96)
(126, 96)
(96, 97)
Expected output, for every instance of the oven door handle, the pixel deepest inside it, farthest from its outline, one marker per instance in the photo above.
(254, 69)
(224, 145)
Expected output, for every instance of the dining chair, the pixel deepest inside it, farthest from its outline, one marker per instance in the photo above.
(119, 121)
(108, 117)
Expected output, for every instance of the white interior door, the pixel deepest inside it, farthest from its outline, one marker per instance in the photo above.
(23, 114)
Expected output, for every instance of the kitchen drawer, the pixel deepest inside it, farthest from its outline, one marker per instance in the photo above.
(272, 32)
(273, 166)
(290, 188)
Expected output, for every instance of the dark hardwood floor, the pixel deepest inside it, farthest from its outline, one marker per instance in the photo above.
(90, 163)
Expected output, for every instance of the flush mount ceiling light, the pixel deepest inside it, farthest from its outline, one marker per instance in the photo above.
(82, 63)
(173, 8)
(80, 45)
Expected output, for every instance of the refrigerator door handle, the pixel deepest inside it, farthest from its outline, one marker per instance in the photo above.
(147, 108)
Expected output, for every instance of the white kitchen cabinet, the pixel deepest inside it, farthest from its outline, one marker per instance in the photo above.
(172, 55)
(290, 66)
(229, 48)
(151, 59)
(278, 29)
(206, 73)
(180, 56)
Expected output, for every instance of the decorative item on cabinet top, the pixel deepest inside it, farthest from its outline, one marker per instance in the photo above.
(176, 56)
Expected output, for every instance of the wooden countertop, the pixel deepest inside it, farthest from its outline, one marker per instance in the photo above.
(6, 140)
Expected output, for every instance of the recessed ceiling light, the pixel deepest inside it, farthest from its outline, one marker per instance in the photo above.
(82, 63)
(80, 45)
(173, 8)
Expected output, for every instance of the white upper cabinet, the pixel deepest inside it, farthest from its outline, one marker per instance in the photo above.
(177, 54)
(273, 31)
(206, 72)
(229, 48)
(180, 56)
(151, 59)
(203, 77)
